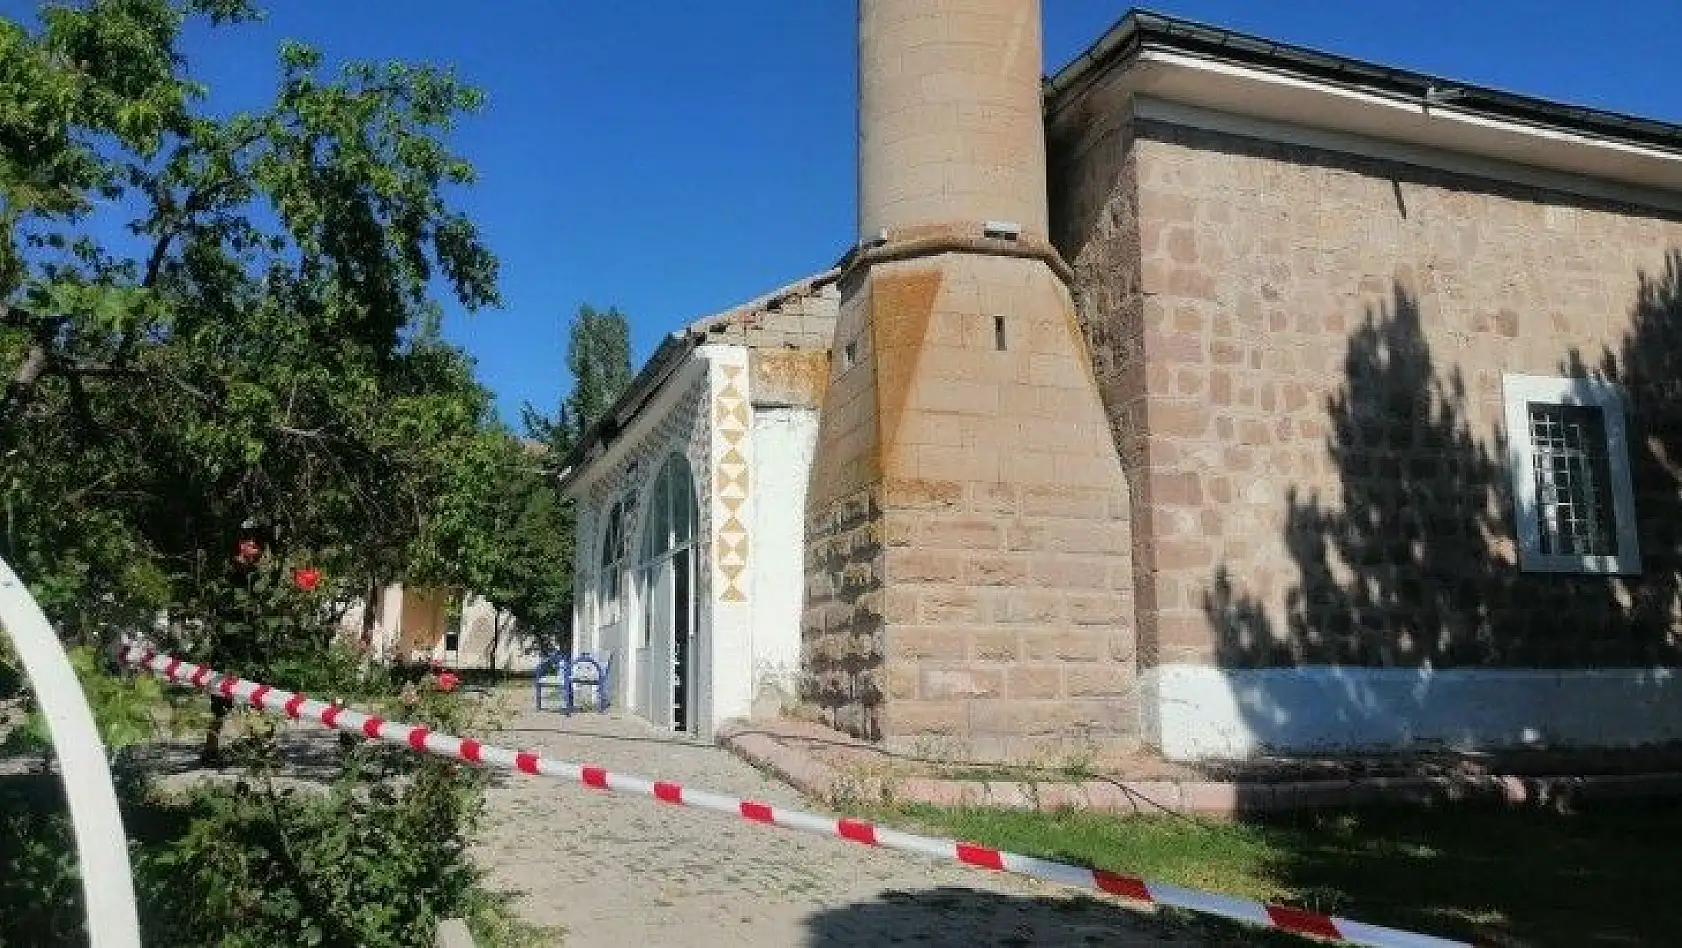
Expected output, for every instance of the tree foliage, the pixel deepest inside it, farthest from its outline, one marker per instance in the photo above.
(504, 531)
(599, 358)
(500, 531)
(261, 360)
(223, 359)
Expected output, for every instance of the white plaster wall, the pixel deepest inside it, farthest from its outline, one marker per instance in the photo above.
(478, 616)
(724, 646)
(478, 635)
(388, 619)
(584, 574)
(389, 624)
(784, 440)
(583, 608)
(1200, 711)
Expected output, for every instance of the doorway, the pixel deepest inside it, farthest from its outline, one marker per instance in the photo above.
(666, 568)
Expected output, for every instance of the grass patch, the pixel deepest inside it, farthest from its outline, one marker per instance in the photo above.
(1605, 876)
(494, 924)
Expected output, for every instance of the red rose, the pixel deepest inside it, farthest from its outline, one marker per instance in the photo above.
(448, 681)
(306, 578)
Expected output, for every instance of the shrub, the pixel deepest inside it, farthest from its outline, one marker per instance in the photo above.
(376, 858)
(368, 865)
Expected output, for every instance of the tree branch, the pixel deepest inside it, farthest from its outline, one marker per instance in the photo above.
(79, 404)
(317, 433)
(35, 362)
(95, 370)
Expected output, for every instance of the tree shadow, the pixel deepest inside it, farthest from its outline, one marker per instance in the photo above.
(1477, 872)
(1407, 581)
(1408, 570)
(1648, 367)
(842, 656)
(970, 918)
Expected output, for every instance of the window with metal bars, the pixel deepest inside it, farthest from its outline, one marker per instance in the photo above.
(1573, 480)
(1572, 490)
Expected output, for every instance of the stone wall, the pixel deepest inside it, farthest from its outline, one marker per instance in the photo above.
(841, 624)
(1095, 225)
(802, 319)
(1301, 354)
(794, 378)
(980, 591)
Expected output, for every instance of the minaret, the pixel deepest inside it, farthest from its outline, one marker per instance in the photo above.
(968, 567)
(950, 126)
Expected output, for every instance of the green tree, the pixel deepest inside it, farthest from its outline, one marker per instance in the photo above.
(531, 570)
(599, 358)
(92, 90)
(501, 531)
(256, 360)
(264, 367)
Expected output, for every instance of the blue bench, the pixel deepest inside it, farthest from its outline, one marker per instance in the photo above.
(561, 676)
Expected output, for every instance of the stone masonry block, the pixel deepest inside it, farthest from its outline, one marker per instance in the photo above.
(1035, 681)
(918, 643)
(1065, 644)
(995, 644)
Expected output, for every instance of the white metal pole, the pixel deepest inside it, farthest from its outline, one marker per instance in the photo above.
(101, 845)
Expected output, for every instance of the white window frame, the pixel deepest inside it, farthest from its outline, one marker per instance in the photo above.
(610, 606)
(1519, 392)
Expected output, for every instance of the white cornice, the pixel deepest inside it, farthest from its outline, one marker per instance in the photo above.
(1259, 103)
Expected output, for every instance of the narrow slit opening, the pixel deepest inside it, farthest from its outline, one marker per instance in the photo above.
(999, 331)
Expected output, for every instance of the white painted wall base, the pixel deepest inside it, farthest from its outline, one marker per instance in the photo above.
(1200, 711)
(784, 440)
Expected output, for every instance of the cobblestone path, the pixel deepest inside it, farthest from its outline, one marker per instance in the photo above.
(625, 871)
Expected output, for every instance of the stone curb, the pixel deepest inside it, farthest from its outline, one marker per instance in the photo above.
(453, 933)
(759, 745)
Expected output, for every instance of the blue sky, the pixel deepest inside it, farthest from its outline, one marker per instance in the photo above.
(673, 157)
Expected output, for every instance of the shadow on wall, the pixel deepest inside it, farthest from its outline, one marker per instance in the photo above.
(1408, 577)
(842, 644)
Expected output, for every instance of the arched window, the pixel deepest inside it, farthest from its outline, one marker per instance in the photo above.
(671, 512)
(668, 529)
(614, 548)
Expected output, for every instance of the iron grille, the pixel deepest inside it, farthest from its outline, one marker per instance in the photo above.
(1573, 480)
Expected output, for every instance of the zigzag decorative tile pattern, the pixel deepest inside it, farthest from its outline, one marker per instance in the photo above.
(730, 482)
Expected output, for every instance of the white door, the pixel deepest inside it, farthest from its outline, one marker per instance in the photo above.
(657, 674)
(610, 617)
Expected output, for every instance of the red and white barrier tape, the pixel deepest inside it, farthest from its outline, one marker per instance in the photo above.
(1130, 888)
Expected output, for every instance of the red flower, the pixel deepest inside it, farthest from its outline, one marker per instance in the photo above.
(248, 551)
(448, 681)
(306, 578)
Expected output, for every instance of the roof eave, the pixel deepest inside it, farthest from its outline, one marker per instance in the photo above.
(665, 360)
(1140, 29)
(671, 353)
